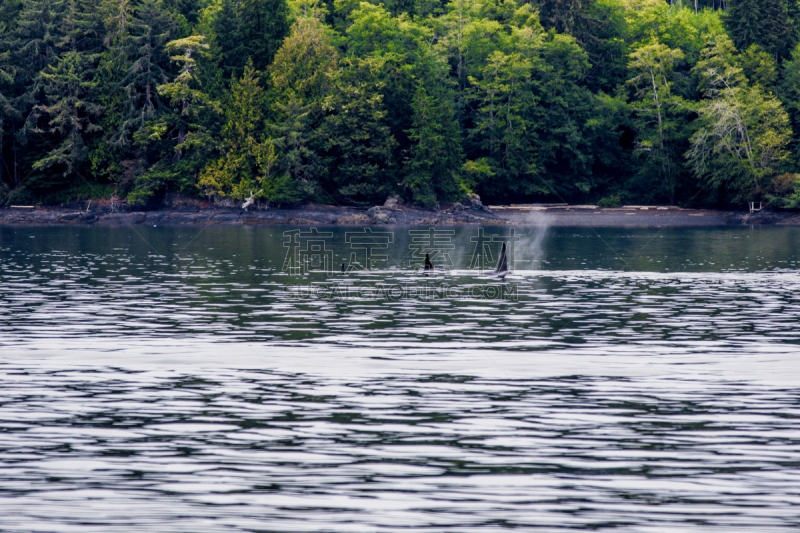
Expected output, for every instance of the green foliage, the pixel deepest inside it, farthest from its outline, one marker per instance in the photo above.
(759, 67)
(352, 101)
(610, 201)
(305, 64)
(784, 191)
(789, 92)
(355, 141)
(21, 196)
(561, 15)
(744, 132)
(743, 19)
(657, 114)
(180, 136)
(433, 172)
(248, 30)
(762, 22)
(69, 112)
(248, 161)
(146, 63)
(151, 185)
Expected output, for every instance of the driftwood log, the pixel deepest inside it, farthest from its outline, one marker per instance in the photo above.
(250, 201)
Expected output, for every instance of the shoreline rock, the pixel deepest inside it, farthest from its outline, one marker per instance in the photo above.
(200, 214)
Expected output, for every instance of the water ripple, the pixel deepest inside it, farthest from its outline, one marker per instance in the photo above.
(146, 391)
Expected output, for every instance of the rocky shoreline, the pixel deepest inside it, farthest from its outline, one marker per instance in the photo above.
(183, 212)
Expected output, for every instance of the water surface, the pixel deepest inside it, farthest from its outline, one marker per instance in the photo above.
(180, 379)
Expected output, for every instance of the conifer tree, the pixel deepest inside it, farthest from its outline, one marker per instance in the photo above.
(561, 15)
(263, 26)
(293, 138)
(777, 35)
(228, 39)
(354, 138)
(432, 172)
(149, 30)
(238, 172)
(184, 93)
(70, 112)
(790, 94)
(252, 29)
(744, 22)
(763, 22)
(6, 109)
(33, 48)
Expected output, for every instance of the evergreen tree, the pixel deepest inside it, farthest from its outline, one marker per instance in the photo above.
(793, 12)
(149, 30)
(181, 136)
(293, 138)
(564, 148)
(33, 48)
(778, 35)
(263, 24)
(189, 10)
(561, 15)
(6, 109)
(503, 131)
(763, 22)
(249, 29)
(744, 22)
(70, 112)
(239, 171)
(228, 39)
(116, 15)
(354, 138)
(433, 170)
(184, 93)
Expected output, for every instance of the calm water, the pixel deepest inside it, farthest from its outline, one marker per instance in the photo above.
(182, 380)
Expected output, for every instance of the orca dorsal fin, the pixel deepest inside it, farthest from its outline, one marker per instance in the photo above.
(428, 264)
(502, 261)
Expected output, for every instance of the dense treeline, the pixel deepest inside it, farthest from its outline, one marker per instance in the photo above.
(642, 101)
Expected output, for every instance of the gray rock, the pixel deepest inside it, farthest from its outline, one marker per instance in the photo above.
(475, 200)
(382, 218)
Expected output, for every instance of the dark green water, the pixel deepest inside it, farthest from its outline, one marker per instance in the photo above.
(194, 379)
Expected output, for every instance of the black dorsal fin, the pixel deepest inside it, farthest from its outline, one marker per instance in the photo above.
(502, 261)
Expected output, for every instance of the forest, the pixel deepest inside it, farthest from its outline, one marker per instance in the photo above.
(349, 102)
